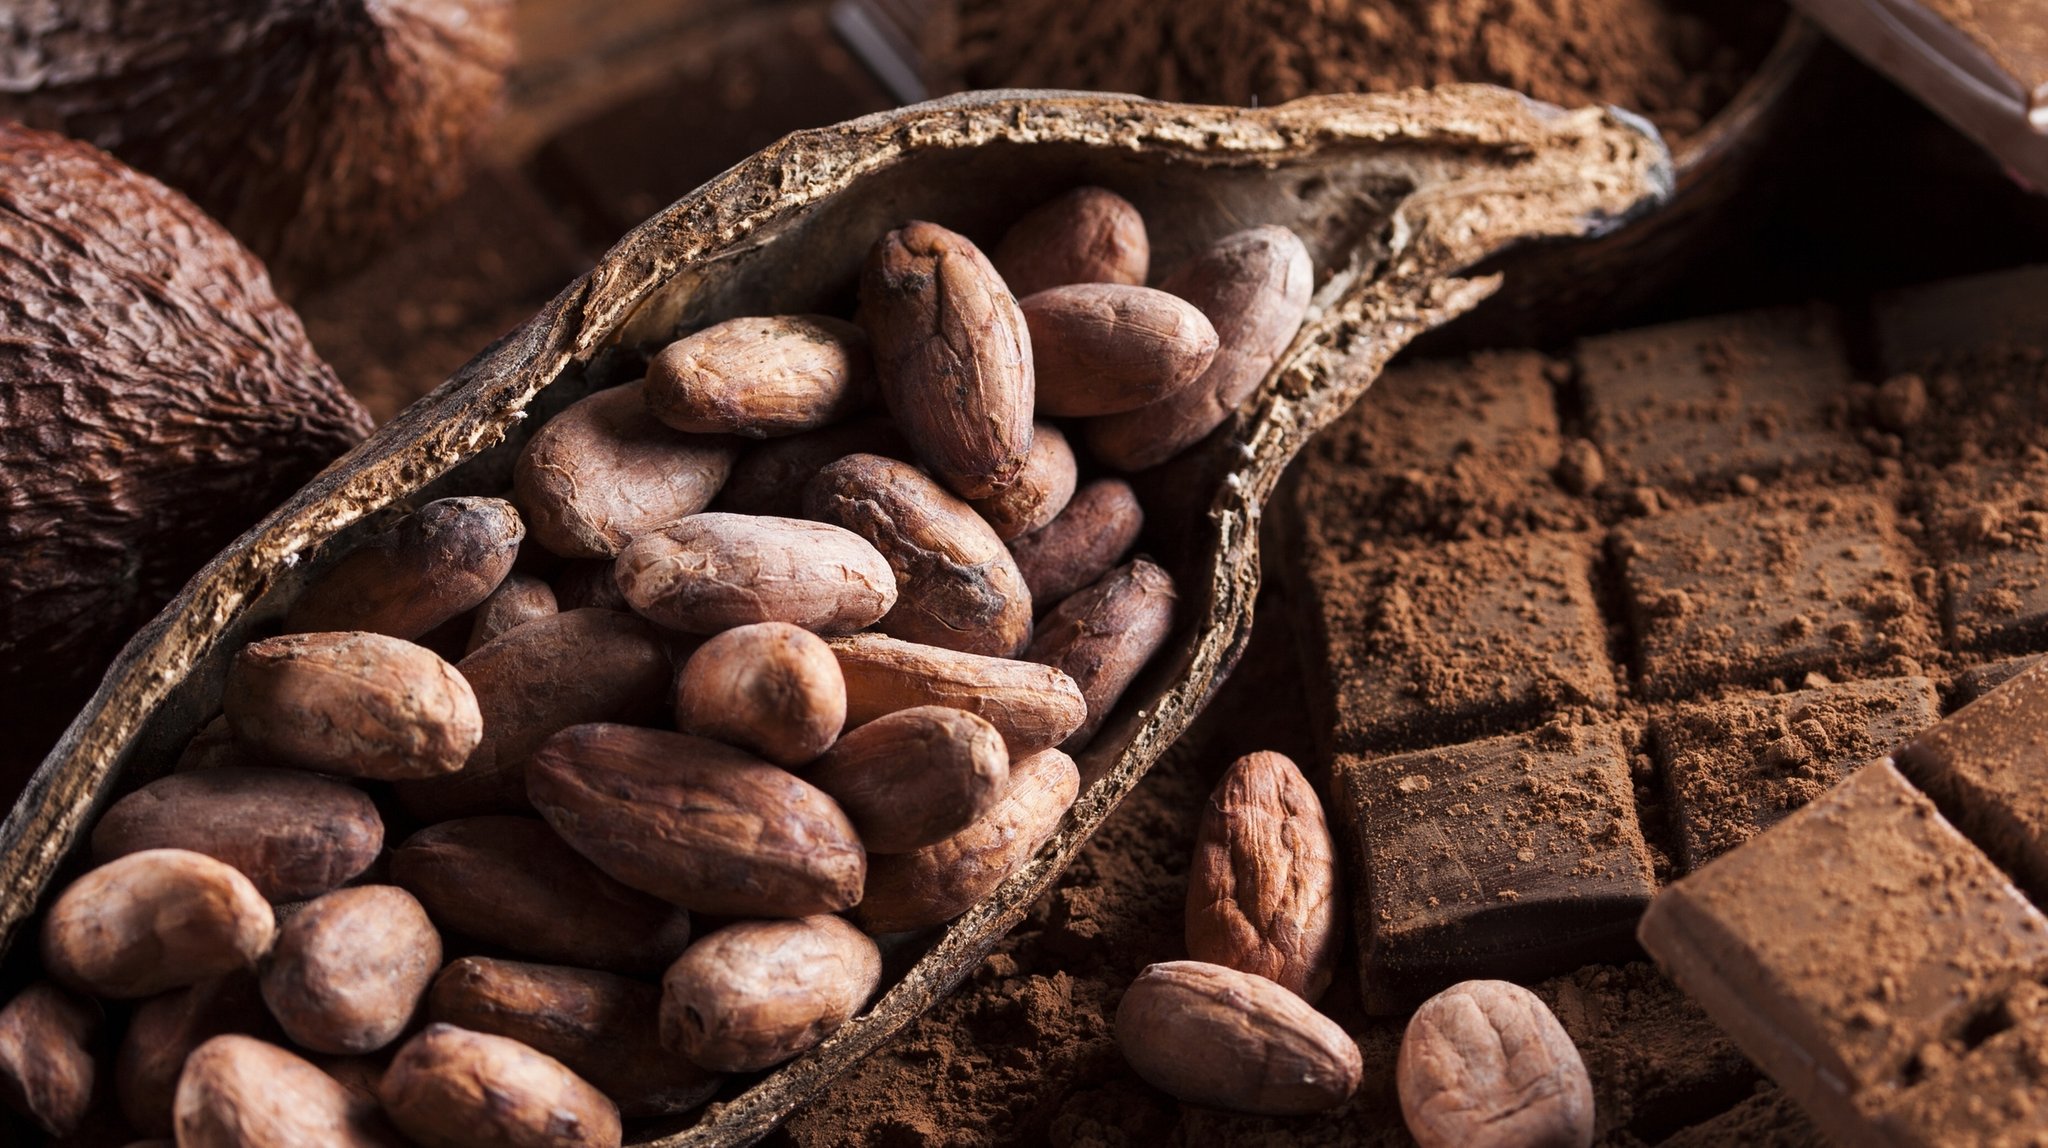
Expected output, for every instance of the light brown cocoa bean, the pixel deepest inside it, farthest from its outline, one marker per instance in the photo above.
(952, 355)
(606, 470)
(605, 1028)
(511, 882)
(444, 559)
(1104, 348)
(240, 1092)
(552, 673)
(957, 585)
(519, 599)
(349, 969)
(452, 1088)
(1034, 707)
(1484, 1064)
(752, 995)
(711, 572)
(914, 777)
(163, 1032)
(1041, 490)
(770, 477)
(762, 377)
(358, 704)
(46, 1064)
(1254, 287)
(1226, 1039)
(770, 688)
(1103, 635)
(1088, 235)
(935, 884)
(152, 921)
(1098, 527)
(587, 584)
(697, 823)
(1262, 891)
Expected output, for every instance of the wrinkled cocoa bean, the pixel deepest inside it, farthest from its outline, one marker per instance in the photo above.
(239, 1092)
(163, 1032)
(1103, 348)
(762, 377)
(1103, 635)
(1088, 235)
(152, 921)
(770, 477)
(752, 995)
(711, 572)
(452, 1088)
(519, 599)
(349, 969)
(1034, 707)
(443, 560)
(1098, 527)
(46, 1064)
(1262, 891)
(1218, 1037)
(1484, 1064)
(1041, 490)
(914, 777)
(587, 584)
(769, 688)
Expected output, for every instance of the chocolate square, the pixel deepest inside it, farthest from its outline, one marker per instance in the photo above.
(1989, 524)
(1977, 681)
(1984, 1088)
(1516, 857)
(1924, 327)
(1735, 767)
(1987, 767)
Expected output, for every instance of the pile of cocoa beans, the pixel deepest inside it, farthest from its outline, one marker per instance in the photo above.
(736, 645)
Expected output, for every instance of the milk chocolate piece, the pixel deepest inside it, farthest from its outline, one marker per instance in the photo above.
(1743, 592)
(1990, 527)
(1513, 858)
(1977, 681)
(1979, 1089)
(1987, 768)
(1735, 767)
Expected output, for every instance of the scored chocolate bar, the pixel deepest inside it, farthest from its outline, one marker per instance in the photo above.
(1986, 766)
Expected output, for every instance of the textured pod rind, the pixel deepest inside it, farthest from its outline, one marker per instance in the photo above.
(752, 995)
(1216, 1036)
(1485, 1064)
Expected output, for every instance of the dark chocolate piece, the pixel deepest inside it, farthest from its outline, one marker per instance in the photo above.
(1924, 328)
(1977, 681)
(1517, 858)
(1735, 767)
(1766, 1119)
(1990, 528)
(1986, 766)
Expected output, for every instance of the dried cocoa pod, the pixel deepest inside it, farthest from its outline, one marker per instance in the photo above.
(349, 969)
(1041, 490)
(452, 1088)
(165, 1029)
(293, 835)
(589, 585)
(762, 377)
(952, 354)
(1105, 348)
(770, 477)
(1262, 891)
(1034, 707)
(699, 824)
(444, 559)
(711, 572)
(240, 1092)
(770, 688)
(154, 920)
(519, 599)
(1103, 635)
(1484, 1064)
(957, 585)
(552, 673)
(606, 471)
(914, 777)
(1254, 287)
(605, 1028)
(1088, 235)
(1226, 1039)
(754, 994)
(1098, 527)
(511, 882)
(935, 884)
(46, 1064)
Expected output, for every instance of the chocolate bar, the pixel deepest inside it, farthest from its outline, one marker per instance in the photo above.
(1986, 766)
(1977, 681)
(1989, 524)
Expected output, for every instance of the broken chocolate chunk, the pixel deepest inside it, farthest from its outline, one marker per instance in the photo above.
(1986, 766)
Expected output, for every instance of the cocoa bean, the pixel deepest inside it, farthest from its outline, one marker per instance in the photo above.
(1098, 527)
(711, 572)
(519, 599)
(152, 921)
(588, 584)
(349, 969)
(769, 688)
(214, 747)
(1041, 490)
(452, 1088)
(770, 477)
(163, 1032)
(1225, 1039)
(46, 1064)
(240, 1092)
(914, 777)
(1088, 235)
(1484, 1064)
(1104, 348)
(1103, 635)
(752, 995)
(1034, 707)
(762, 377)
(444, 559)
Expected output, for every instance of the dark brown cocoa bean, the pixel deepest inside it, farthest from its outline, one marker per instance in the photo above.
(914, 777)
(1104, 348)
(519, 599)
(1034, 707)
(152, 921)
(771, 688)
(349, 969)
(769, 479)
(452, 1088)
(752, 995)
(240, 1092)
(46, 1062)
(1088, 235)
(1041, 490)
(1098, 527)
(165, 1029)
(443, 560)
(1103, 635)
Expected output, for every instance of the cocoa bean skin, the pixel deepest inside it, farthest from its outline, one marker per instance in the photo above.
(349, 969)
(914, 777)
(957, 585)
(752, 995)
(711, 572)
(1041, 490)
(1088, 235)
(152, 921)
(357, 704)
(46, 1064)
(770, 477)
(165, 1029)
(1034, 707)
(1484, 1064)
(605, 1028)
(1218, 1037)
(907, 891)
(1254, 287)
(697, 823)
(292, 834)
(1098, 527)
(443, 560)
(1104, 348)
(452, 1088)
(762, 377)
(770, 688)
(605, 471)
(1103, 635)
(240, 1092)
(511, 882)
(519, 599)
(952, 355)
(587, 583)
(1262, 891)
